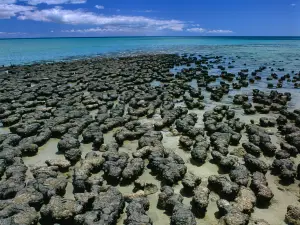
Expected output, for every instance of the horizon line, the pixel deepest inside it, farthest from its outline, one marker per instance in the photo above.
(170, 36)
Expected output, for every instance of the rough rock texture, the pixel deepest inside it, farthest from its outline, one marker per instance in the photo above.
(171, 168)
(258, 222)
(83, 170)
(133, 169)
(201, 198)
(18, 214)
(182, 215)
(254, 164)
(60, 210)
(285, 169)
(60, 163)
(200, 149)
(240, 175)
(106, 208)
(48, 181)
(234, 217)
(167, 199)
(260, 187)
(225, 187)
(147, 187)
(114, 165)
(292, 215)
(190, 181)
(245, 200)
(136, 212)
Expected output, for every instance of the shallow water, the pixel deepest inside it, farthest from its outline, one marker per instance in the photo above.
(129, 147)
(4, 130)
(155, 83)
(20, 51)
(283, 196)
(85, 148)
(47, 151)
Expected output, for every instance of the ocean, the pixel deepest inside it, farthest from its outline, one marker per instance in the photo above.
(54, 98)
(27, 51)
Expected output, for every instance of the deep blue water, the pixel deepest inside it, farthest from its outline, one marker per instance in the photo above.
(24, 51)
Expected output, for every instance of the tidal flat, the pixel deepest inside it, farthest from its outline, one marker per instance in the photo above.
(151, 139)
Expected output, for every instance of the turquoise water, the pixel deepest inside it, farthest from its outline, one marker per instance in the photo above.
(24, 51)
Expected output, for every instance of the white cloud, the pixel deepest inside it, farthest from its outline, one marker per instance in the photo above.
(196, 29)
(8, 1)
(11, 33)
(54, 2)
(202, 30)
(220, 31)
(99, 6)
(100, 30)
(293, 5)
(79, 17)
(144, 11)
(10, 10)
(112, 23)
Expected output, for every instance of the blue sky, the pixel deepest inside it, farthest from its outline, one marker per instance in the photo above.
(57, 18)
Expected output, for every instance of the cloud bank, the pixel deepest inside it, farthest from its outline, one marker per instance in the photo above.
(8, 1)
(220, 31)
(196, 29)
(90, 22)
(202, 30)
(54, 2)
(79, 17)
(10, 33)
(11, 10)
(100, 30)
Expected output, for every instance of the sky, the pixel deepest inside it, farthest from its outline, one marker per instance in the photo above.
(94, 18)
